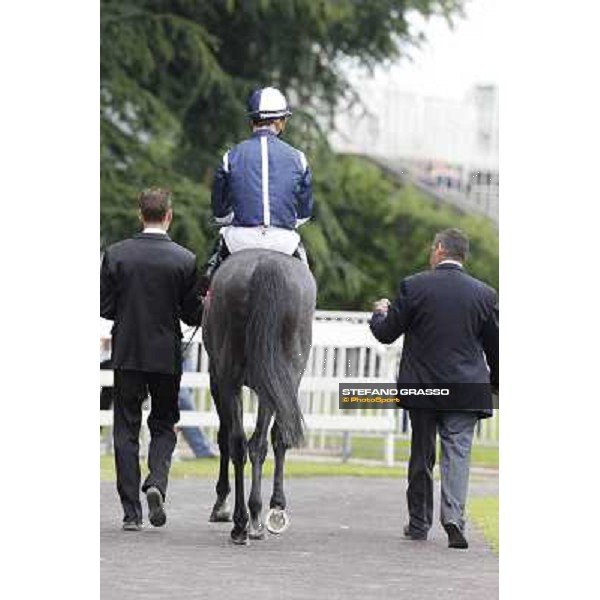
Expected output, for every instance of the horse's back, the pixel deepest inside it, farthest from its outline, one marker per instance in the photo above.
(231, 284)
(266, 278)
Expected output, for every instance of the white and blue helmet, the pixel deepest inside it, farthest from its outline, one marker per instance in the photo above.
(267, 103)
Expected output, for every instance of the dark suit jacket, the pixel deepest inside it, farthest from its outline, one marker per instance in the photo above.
(450, 325)
(147, 284)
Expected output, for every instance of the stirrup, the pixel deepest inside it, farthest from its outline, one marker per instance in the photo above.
(300, 254)
(220, 253)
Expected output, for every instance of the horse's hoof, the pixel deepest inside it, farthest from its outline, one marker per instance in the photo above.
(239, 537)
(223, 516)
(256, 532)
(277, 520)
(221, 513)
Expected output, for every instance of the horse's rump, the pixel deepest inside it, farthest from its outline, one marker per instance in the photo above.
(262, 308)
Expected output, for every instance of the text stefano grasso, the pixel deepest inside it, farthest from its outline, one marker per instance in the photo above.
(395, 392)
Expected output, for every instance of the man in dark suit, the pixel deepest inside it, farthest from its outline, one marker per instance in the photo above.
(450, 325)
(147, 284)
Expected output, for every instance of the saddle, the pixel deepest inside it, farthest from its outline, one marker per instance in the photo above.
(221, 252)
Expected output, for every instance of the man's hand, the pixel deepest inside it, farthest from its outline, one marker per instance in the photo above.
(382, 305)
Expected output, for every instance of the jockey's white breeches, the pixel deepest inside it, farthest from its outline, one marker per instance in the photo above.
(270, 238)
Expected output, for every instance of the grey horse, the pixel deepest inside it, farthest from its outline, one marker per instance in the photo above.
(257, 330)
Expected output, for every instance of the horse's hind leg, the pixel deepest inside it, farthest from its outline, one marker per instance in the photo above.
(238, 452)
(277, 519)
(257, 450)
(221, 513)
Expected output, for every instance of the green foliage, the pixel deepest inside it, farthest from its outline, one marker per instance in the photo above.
(382, 232)
(174, 78)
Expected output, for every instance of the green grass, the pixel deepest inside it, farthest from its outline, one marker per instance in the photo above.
(484, 512)
(209, 469)
(372, 448)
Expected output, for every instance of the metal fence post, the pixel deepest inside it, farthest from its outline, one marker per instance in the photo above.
(346, 446)
(389, 449)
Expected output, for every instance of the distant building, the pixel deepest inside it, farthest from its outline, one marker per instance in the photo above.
(451, 143)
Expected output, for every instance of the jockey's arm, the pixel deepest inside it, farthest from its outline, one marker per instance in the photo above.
(220, 200)
(305, 197)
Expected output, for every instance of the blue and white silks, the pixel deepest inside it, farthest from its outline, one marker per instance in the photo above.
(262, 192)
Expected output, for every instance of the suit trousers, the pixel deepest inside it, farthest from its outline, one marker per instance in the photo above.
(455, 429)
(131, 389)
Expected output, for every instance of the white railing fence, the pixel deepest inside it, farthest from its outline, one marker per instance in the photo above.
(343, 349)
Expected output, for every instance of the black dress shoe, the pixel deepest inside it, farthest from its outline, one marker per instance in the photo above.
(132, 526)
(456, 539)
(156, 511)
(411, 534)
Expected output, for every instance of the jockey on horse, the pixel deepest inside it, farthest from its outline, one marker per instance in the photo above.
(262, 190)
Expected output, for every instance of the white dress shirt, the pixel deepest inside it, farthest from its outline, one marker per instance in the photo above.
(154, 230)
(450, 262)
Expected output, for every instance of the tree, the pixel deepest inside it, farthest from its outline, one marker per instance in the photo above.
(383, 231)
(174, 78)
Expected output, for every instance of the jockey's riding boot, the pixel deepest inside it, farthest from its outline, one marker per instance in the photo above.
(300, 253)
(220, 253)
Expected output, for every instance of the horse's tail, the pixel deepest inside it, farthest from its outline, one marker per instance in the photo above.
(268, 369)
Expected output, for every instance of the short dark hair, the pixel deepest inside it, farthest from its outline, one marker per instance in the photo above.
(454, 242)
(154, 204)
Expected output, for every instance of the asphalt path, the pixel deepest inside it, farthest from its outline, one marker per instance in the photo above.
(344, 541)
